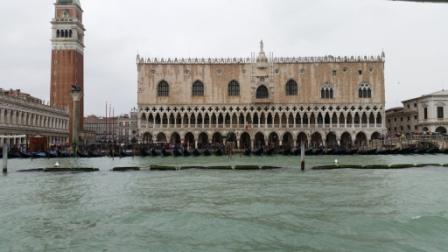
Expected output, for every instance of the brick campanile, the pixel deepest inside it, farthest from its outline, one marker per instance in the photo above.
(67, 56)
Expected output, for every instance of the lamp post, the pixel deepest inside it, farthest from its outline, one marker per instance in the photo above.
(76, 120)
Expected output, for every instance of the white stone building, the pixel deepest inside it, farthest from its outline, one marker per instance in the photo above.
(23, 116)
(425, 114)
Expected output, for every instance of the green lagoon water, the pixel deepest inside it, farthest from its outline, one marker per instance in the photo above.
(199, 210)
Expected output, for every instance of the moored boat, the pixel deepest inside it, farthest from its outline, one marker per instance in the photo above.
(186, 153)
(39, 155)
(196, 152)
(52, 154)
(177, 152)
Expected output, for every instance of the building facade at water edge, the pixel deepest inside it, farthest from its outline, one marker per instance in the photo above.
(424, 114)
(262, 100)
(23, 117)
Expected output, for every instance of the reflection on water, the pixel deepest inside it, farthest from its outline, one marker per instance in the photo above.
(196, 210)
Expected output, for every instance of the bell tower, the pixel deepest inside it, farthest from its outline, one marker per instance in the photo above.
(67, 56)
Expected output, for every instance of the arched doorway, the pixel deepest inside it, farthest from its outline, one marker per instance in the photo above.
(203, 140)
(346, 140)
(217, 138)
(361, 140)
(288, 140)
(273, 140)
(441, 130)
(161, 138)
(231, 137)
(331, 141)
(259, 140)
(175, 138)
(375, 139)
(147, 138)
(245, 141)
(316, 140)
(302, 138)
(189, 140)
(376, 136)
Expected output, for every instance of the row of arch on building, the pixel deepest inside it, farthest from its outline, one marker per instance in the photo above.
(22, 118)
(247, 140)
(261, 119)
(291, 89)
(64, 33)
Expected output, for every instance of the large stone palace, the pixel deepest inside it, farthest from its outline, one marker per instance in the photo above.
(262, 100)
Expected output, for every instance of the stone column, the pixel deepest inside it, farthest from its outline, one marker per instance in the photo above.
(76, 117)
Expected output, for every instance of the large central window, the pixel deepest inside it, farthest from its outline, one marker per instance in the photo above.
(262, 92)
(327, 93)
(198, 88)
(365, 91)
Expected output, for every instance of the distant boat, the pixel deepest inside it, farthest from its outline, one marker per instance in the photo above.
(296, 151)
(155, 152)
(329, 151)
(317, 151)
(64, 154)
(177, 152)
(24, 154)
(339, 151)
(433, 150)
(258, 151)
(206, 152)
(269, 151)
(52, 154)
(287, 151)
(196, 152)
(95, 154)
(14, 154)
(166, 153)
(186, 153)
(126, 153)
(39, 155)
(83, 154)
(219, 152)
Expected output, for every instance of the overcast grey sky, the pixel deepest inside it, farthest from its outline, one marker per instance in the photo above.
(413, 35)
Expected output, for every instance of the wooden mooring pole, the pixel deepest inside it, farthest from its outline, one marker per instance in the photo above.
(302, 156)
(5, 158)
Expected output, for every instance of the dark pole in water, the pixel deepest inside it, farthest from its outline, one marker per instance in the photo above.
(302, 156)
(5, 158)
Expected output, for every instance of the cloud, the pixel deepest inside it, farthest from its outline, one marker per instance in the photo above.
(413, 36)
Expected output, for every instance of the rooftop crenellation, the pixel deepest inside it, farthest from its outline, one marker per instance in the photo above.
(248, 60)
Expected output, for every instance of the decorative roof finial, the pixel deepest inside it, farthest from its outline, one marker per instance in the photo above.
(261, 46)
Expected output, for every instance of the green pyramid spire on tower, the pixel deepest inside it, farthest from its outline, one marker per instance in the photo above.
(75, 2)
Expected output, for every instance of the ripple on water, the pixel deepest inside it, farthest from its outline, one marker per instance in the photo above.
(196, 210)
